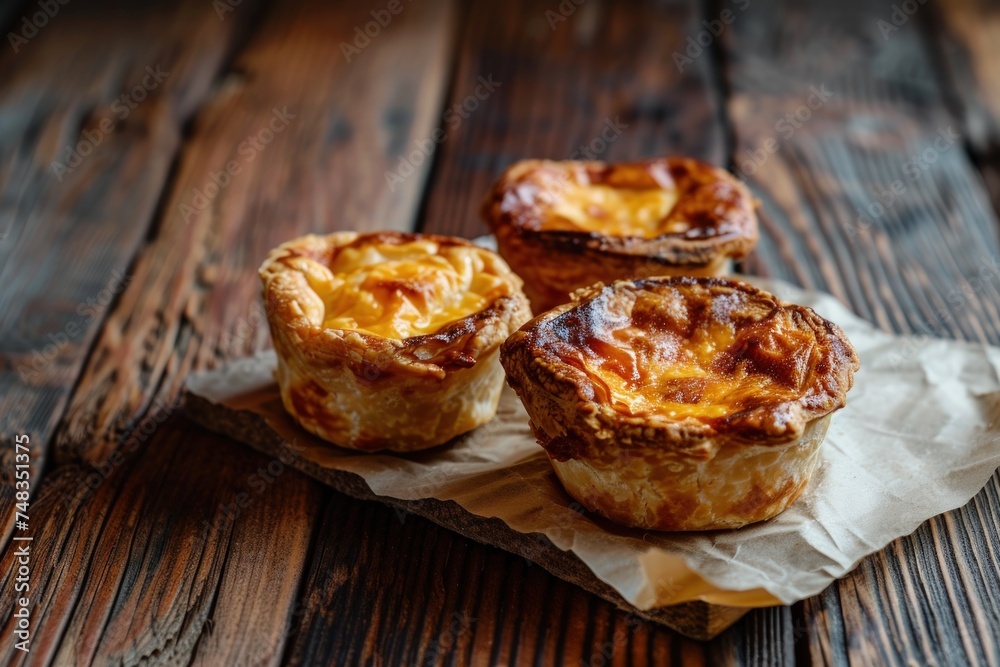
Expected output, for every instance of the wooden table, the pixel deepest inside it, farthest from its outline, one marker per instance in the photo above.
(151, 155)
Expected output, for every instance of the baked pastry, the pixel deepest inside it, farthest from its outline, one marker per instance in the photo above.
(681, 403)
(566, 225)
(389, 341)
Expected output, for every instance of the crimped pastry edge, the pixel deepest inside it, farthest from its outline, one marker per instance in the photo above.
(553, 263)
(531, 367)
(363, 391)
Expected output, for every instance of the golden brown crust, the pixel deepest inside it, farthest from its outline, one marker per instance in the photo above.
(367, 391)
(711, 222)
(698, 377)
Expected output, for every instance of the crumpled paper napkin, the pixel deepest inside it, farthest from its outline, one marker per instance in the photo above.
(920, 436)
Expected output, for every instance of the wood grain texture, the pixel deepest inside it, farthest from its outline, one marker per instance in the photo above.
(905, 264)
(67, 239)
(165, 562)
(93, 106)
(395, 589)
(153, 583)
(305, 575)
(564, 79)
(296, 140)
(922, 263)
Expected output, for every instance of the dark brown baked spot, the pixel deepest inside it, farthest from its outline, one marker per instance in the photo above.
(758, 500)
(307, 399)
(561, 447)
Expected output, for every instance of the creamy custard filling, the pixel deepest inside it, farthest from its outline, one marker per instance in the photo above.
(660, 355)
(614, 211)
(401, 290)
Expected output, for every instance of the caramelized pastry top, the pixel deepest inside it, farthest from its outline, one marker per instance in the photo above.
(708, 356)
(389, 303)
(627, 206)
(394, 285)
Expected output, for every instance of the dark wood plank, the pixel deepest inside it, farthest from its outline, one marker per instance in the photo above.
(922, 264)
(393, 588)
(194, 295)
(142, 585)
(61, 552)
(67, 239)
(93, 107)
(165, 561)
(564, 78)
(905, 268)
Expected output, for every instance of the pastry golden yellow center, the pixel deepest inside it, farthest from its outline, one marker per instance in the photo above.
(401, 290)
(682, 359)
(613, 211)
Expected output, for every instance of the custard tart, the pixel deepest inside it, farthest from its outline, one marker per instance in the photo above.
(566, 225)
(681, 403)
(389, 341)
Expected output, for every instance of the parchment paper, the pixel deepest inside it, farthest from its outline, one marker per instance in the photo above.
(920, 436)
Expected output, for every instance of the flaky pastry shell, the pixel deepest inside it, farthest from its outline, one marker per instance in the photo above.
(681, 403)
(389, 341)
(566, 225)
